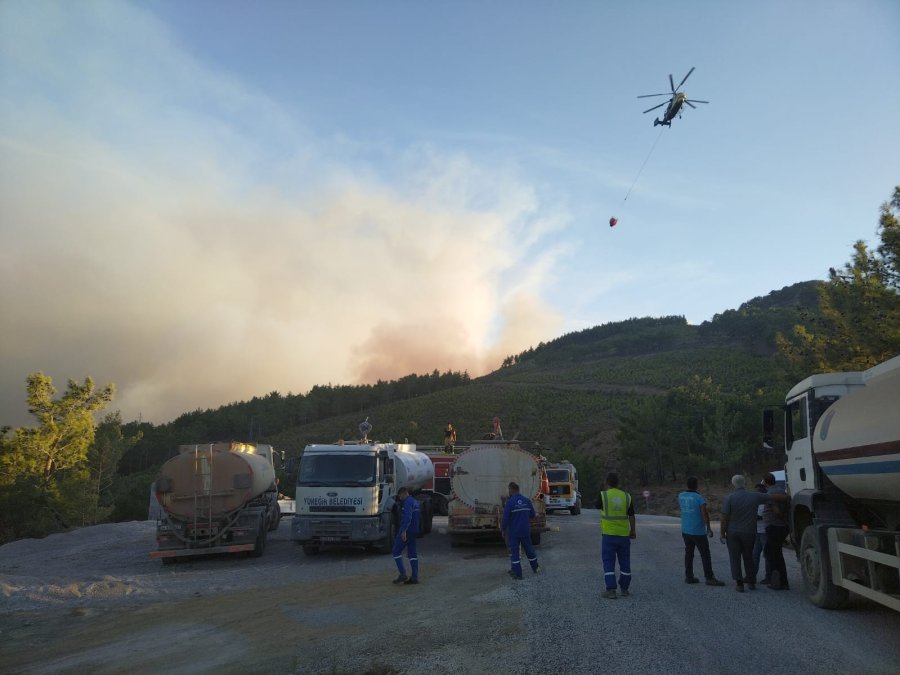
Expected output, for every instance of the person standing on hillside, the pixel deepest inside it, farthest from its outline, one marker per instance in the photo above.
(738, 529)
(516, 530)
(695, 528)
(406, 537)
(617, 525)
(775, 517)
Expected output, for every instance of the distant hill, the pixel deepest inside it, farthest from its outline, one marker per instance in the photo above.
(567, 394)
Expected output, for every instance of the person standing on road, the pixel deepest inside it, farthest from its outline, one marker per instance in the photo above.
(516, 530)
(694, 516)
(775, 517)
(406, 537)
(760, 544)
(738, 529)
(617, 525)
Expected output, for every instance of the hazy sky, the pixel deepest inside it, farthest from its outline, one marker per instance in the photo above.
(204, 201)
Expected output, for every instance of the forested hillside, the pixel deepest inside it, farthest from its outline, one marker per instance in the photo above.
(654, 398)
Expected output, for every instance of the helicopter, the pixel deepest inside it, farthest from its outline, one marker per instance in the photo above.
(675, 103)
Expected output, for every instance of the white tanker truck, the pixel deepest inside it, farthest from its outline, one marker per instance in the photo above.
(842, 441)
(216, 498)
(479, 480)
(345, 494)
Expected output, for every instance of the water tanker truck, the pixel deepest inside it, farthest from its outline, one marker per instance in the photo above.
(479, 480)
(562, 478)
(842, 442)
(216, 498)
(345, 494)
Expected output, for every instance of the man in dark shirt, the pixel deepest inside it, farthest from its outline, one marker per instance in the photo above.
(738, 529)
(775, 517)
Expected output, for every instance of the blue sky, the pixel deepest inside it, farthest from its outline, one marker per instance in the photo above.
(206, 201)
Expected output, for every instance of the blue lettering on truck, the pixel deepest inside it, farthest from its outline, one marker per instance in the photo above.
(333, 501)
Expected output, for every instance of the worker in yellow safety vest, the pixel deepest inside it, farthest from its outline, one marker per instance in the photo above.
(617, 525)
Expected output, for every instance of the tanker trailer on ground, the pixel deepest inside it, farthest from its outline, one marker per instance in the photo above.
(216, 498)
(842, 441)
(345, 494)
(563, 494)
(479, 480)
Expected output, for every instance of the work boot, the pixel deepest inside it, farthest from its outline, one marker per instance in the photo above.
(765, 582)
(752, 587)
(401, 579)
(610, 594)
(739, 587)
(624, 593)
(691, 580)
(712, 581)
(538, 570)
(775, 580)
(410, 581)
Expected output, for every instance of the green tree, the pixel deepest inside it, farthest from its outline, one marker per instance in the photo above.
(860, 307)
(43, 468)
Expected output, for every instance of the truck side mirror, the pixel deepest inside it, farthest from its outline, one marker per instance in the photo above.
(769, 428)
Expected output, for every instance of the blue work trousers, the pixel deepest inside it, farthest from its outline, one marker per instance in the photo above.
(410, 545)
(515, 563)
(615, 547)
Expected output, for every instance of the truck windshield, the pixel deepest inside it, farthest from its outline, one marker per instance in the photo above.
(557, 475)
(336, 470)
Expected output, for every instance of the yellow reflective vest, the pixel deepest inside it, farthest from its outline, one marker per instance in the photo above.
(614, 516)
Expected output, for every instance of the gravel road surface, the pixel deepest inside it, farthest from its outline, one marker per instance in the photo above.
(93, 601)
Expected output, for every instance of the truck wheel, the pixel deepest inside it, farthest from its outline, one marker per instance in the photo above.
(311, 549)
(427, 516)
(442, 507)
(260, 546)
(387, 541)
(816, 568)
(276, 518)
(575, 510)
(536, 538)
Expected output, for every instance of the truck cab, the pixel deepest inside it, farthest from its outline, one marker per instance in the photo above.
(562, 478)
(346, 494)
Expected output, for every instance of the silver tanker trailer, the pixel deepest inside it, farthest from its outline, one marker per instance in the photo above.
(216, 498)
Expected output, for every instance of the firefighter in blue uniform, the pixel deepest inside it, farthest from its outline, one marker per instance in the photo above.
(406, 537)
(516, 529)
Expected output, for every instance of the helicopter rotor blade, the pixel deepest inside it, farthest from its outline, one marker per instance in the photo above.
(672, 83)
(656, 106)
(693, 100)
(689, 103)
(649, 95)
(685, 78)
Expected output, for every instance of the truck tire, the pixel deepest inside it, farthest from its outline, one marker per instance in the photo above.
(311, 549)
(575, 510)
(276, 518)
(536, 538)
(387, 541)
(816, 568)
(260, 547)
(427, 516)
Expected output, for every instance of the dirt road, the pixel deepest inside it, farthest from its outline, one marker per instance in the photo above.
(93, 601)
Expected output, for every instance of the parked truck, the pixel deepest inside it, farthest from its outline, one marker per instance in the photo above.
(479, 480)
(563, 494)
(346, 494)
(216, 498)
(842, 445)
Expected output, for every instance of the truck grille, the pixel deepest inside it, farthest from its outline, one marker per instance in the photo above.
(332, 528)
(332, 509)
